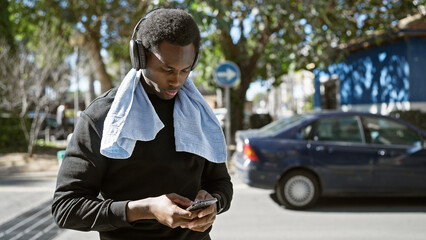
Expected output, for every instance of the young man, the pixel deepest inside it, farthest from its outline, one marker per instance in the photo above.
(145, 195)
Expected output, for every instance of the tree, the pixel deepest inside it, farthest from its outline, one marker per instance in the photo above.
(105, 25)
(267, 39)
(33, 80)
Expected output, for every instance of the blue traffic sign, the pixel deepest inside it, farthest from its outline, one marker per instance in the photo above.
(227, 74)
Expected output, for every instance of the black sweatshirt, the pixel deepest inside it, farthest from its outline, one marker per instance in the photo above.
(154, 169)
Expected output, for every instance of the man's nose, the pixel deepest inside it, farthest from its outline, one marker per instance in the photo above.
(175, 79)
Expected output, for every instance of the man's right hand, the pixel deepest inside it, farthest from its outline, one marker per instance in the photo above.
(165, 209)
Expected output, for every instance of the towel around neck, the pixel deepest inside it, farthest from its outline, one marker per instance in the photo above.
(197, 129)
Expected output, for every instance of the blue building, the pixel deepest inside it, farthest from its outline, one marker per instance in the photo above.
(378, 78)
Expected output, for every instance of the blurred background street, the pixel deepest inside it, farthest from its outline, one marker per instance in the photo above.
(340, 83)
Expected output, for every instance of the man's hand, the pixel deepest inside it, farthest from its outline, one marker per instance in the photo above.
(205, 217)
(164, 209)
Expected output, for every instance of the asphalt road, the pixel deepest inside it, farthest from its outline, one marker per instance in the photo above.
(255, 214)
(24, 214)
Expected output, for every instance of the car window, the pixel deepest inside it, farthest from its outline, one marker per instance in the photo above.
(304, 133)
(279, 125)
(345, 129)
(387, 131)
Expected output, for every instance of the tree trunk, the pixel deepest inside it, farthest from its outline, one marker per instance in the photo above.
(98, 64)
(238, 99)
(35, 129)
(91, 92)
(24, 127)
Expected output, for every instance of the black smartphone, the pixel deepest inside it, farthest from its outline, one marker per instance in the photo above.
(201, 204)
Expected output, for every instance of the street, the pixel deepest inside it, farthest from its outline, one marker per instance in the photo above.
(25, 214)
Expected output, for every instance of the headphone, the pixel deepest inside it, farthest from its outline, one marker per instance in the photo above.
(137, 50)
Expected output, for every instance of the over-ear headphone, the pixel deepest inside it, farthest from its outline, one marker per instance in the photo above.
(137, 50)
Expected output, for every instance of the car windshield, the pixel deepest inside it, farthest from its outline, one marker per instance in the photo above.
(279, 125)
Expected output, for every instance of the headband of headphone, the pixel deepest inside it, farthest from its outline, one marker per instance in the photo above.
(137, 50)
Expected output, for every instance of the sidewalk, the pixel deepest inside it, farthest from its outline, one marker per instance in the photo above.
(77, 235)
(16, 166)
(12, 164)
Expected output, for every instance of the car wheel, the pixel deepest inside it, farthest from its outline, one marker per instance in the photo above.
(298, 190)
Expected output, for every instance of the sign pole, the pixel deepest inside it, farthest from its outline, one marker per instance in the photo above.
(228, 119)
(226, 75)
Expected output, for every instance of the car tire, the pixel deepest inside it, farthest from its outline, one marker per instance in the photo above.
(298, 190)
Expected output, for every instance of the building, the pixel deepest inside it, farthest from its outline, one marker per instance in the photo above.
(378, 77)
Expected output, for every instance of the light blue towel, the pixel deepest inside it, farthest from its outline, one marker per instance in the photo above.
(132, 117)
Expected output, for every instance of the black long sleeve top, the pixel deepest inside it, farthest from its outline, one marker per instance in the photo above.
(92, 190)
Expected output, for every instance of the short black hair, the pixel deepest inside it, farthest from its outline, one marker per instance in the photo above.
(172, 25)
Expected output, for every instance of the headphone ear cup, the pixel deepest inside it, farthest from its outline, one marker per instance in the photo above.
(134, 54)
(194, 64)
(137, 55)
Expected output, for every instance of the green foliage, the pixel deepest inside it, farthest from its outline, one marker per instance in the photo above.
(268, 39)
(6, 27)
(30, 20)
(105, 25)
(29, 17)
(291, 34)
(12, 138)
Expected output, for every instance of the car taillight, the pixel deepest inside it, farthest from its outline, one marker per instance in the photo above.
(248, 151)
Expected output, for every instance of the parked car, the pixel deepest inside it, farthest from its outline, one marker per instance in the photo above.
(220, 114)
(308, 156)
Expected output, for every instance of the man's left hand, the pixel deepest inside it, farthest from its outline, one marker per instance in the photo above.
(206, 216)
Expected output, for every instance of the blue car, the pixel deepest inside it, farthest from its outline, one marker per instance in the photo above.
(333, 154)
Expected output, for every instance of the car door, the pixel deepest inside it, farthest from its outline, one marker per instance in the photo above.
(340, 155)
(401, 157)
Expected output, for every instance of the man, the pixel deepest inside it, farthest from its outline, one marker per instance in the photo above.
(145, 194)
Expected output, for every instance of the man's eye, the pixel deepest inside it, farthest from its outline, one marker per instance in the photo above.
(168, 70)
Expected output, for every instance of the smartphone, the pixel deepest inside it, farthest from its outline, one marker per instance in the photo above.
(201, 204)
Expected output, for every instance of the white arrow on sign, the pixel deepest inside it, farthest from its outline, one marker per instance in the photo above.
(229, 74)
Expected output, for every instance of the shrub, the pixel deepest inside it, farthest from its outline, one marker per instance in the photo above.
(12, 138)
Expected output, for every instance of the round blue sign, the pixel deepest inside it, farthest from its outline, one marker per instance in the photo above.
(227, 74)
